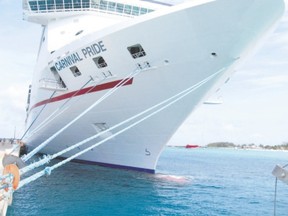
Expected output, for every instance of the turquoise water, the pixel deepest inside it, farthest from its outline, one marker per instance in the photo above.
(188, 182)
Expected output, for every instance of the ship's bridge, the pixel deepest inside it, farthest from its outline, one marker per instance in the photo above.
(41, 11)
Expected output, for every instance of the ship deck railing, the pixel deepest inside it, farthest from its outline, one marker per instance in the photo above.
(51, 84)
(51, 6)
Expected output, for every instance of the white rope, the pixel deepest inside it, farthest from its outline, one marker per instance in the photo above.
(168, 102)
(37, 116)
(61, 109)
(110, 92)
(48, 158)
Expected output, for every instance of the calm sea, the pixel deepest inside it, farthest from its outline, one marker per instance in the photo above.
(188, 182)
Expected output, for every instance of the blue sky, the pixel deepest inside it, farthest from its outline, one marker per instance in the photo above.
(18, 48)
(255, 101)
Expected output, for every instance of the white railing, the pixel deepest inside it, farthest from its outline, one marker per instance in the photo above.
(48, 6)
(52, 84)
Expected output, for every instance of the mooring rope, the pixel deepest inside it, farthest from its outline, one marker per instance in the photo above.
(110, 92)
(59, 110)
(47, 158)
(37, 116)
(168, 102)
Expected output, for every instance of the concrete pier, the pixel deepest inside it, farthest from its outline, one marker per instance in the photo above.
(7, 146)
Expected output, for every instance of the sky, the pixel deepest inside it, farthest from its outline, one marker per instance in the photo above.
(255, 100)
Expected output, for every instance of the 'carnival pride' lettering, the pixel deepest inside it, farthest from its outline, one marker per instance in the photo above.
(94, 49)
(68, 61)
(73, 58)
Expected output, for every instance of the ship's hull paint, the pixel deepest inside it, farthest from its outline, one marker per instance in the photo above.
(183, 46)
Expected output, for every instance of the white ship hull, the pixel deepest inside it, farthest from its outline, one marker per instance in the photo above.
(184, 44)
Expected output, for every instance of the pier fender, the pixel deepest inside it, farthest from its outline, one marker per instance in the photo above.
(14, 170)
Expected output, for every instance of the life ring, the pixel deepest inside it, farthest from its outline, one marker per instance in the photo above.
(14, 170)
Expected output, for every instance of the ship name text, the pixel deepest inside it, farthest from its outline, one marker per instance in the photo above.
(75, 57)
(94, 49)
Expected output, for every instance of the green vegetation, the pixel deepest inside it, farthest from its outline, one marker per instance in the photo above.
(221, 144)
(283, 146)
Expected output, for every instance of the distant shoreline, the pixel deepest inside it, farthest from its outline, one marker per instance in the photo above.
(229, 145)
(283, 146)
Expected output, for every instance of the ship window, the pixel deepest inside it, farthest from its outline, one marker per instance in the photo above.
(42, 5)
(50, 5)
(100, 127)
(135, 11)
(213, 54)
(143, 10)
(59, 80)
(111, 6)
(100, 62)
(120, 7)
(54, 71)
(33, 5)
(82, 5)
(75, 71)
(103, 5)
(136, 51)
(127, 9)
(59, 4)
(85, 3)
(68, 4)
(76, 4)
(95, 4)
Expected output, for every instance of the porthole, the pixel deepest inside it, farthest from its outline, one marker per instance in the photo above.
(75, 71)
(57, 77)
(100, 62)
(136, 51)
(213, 54)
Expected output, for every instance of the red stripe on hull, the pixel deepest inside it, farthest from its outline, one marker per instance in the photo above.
(88, 90)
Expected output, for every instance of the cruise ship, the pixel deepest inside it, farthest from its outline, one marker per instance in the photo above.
(101, 63)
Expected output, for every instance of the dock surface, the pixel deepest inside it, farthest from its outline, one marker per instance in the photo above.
(7, 146)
